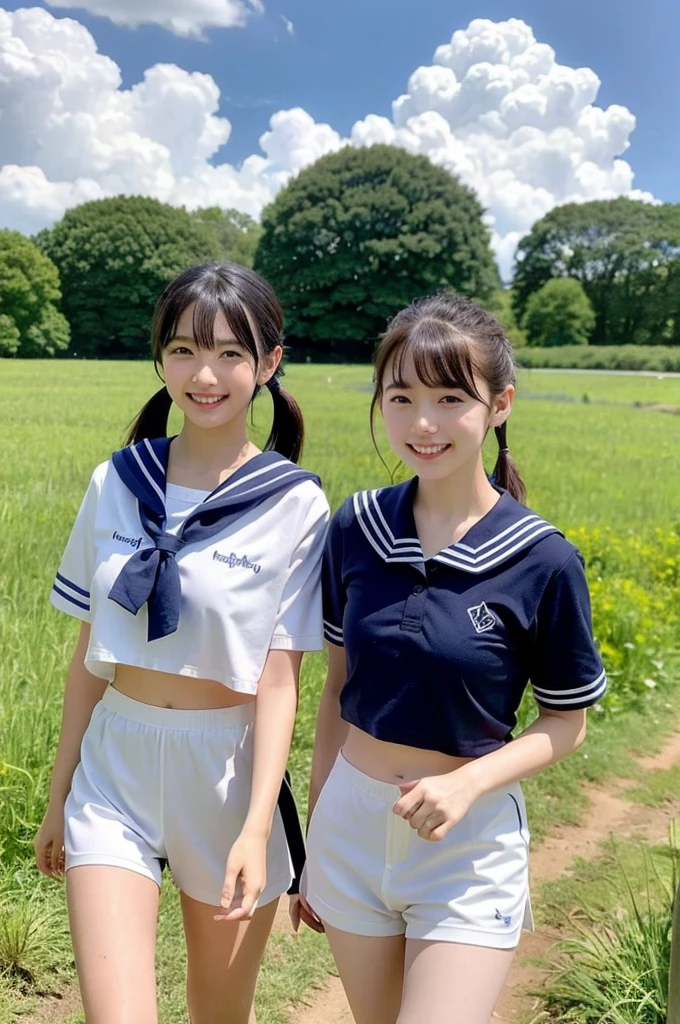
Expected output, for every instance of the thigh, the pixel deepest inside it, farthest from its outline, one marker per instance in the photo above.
(371, 970)
(451, 983)
(112, 913)
(223, 961)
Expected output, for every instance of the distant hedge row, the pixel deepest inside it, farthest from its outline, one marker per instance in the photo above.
(653, 358)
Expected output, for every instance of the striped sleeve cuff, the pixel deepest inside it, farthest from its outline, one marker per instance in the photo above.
(70, 598)
(332, 633)
(575, 699)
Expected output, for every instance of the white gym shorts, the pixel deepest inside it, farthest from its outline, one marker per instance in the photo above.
(156, 784)
(369, 873)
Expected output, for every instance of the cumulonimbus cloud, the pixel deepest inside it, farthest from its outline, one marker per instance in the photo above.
(494, 107)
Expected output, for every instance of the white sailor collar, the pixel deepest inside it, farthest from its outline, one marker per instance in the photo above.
(386, 520)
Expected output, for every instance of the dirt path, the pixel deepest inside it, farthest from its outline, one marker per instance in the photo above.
(609, 812)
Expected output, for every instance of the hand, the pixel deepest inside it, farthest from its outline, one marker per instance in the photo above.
(432, 806)
(247, 869)
(300, 910)
(49, 843)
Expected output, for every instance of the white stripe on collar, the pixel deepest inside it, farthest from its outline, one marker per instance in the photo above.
(521, 534)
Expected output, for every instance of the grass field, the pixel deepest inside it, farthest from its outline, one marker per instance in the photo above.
(605, 469)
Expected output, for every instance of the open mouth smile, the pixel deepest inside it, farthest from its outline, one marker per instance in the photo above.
(428, 451)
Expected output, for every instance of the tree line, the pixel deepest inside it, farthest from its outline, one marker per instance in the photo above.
(346, 243)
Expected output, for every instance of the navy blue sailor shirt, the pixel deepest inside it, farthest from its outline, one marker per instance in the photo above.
(440, 651)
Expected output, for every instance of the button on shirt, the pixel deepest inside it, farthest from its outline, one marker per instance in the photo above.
(439, 652)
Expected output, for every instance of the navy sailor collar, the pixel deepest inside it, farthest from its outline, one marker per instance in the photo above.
(386, 520)
(151, 575)
(143, 469)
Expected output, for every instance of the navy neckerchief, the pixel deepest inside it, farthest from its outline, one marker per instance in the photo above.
(151, 576)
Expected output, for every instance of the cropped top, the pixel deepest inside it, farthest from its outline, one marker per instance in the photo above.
(440, 651)
(250, 586)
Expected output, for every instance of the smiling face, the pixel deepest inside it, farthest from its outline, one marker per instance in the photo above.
(438, 430)
(435, 400)
(214, 386)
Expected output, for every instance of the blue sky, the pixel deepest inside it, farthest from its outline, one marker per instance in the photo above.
(347, 59)
(340, 63)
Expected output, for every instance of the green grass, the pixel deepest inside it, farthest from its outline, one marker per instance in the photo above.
(613, 965)
(587, 465)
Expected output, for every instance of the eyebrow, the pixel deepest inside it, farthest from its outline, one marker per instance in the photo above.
(393, 386)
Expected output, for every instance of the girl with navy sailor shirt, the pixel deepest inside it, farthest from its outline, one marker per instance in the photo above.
(194, 565)
(444, 597)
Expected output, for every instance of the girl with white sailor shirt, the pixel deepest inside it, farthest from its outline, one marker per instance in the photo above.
(194, 565)
(443, 597)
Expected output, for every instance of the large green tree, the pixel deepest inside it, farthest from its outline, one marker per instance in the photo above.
(236, 234)
(559, 313)
(30, 322)
(361, 233)
(114, 257)
(625, 253)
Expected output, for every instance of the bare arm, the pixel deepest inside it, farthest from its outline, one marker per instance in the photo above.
(548, 739)
(275, 707)
(330, 728)
(83, 691)
(433, 806)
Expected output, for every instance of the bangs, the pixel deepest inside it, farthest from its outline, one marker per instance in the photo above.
(208, 303)
(441, 358)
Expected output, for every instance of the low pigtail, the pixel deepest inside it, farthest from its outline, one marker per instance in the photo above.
(505, 472)
(152, 419)
(288, 429)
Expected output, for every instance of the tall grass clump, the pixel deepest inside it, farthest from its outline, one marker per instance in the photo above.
(615, 968)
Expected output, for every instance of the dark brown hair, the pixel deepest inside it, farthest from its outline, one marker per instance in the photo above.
(238, 292)
(451, 340)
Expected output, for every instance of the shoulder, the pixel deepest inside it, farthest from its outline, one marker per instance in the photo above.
(100, 475)
(310, 499)
(554, 551)
(370, 503)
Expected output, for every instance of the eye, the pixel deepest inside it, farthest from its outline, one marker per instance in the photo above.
(180, 350)
(400, 400)
(451, 400)
(231, 353)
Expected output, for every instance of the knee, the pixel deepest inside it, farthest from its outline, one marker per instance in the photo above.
(219, 1009)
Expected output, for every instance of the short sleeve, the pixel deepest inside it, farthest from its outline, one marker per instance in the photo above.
(299, 622)
(71, 589)
(334, 596)
(567, 670)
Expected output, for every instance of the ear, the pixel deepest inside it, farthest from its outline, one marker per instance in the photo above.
(501, 406)
(269, 364)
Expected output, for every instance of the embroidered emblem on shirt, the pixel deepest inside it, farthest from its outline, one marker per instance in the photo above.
(135, 542)
(482, 619)
(505, 918)
(233, 560)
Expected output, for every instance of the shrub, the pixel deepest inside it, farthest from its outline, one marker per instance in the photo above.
(559, 313)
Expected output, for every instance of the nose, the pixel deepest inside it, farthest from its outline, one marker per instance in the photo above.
(205, 375)
(423, 424)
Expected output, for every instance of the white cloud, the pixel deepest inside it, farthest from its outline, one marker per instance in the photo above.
(183, 17)
(290, 27)
(494, 107)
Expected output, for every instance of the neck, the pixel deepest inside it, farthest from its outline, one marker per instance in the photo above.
(465, 495)
(208, 452)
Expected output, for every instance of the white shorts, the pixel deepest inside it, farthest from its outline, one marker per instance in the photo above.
(370, 873)
(156, 784)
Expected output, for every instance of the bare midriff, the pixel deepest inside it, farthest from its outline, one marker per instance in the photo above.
(394, 762)
(167, 690)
